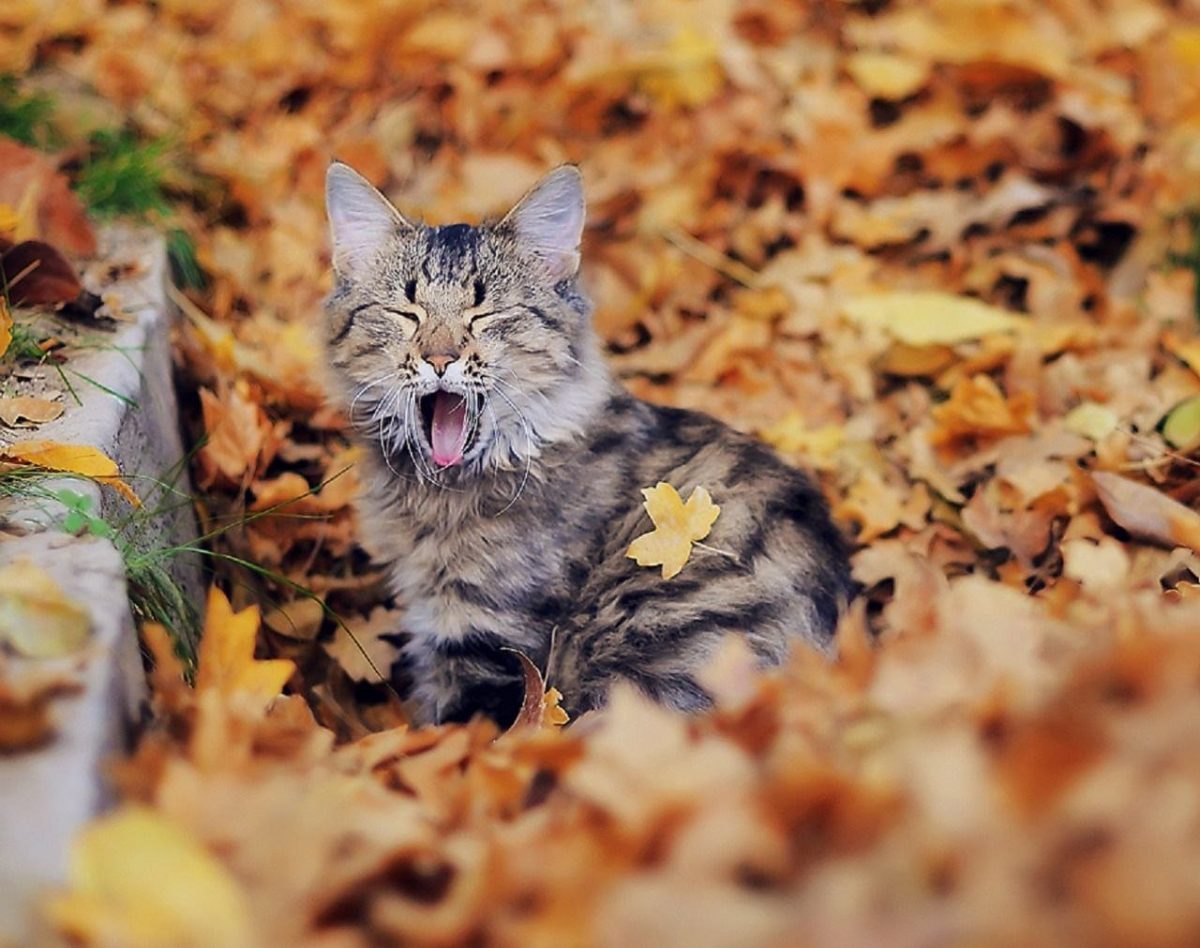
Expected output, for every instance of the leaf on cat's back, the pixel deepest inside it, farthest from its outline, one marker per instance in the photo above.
(676, 527)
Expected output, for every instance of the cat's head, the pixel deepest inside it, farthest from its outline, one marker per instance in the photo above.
(460, 348)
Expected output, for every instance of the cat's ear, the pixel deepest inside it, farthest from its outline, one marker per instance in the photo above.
(548, 220)
(361, 219)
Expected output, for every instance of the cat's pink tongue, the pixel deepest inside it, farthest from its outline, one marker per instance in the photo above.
(449, 434)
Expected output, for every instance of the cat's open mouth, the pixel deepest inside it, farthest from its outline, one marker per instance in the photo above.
(444, 417)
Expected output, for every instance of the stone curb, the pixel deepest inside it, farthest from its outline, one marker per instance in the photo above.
(48, 794)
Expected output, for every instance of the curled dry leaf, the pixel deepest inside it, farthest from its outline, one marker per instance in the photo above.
(540, 706)
(37, 619)
(676, 527)
(6, 325)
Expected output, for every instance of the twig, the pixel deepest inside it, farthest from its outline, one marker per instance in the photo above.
(722, 263)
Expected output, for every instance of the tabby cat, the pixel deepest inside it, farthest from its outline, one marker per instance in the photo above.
(503, 464)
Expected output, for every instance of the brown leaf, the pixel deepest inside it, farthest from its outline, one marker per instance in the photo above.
(36, 273)
(60, 217)
(26, 409)
(1146, 512)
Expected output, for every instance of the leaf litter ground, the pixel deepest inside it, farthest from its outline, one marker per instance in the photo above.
(938, 252)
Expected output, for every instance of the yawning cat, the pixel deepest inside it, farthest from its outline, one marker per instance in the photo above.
(503, 467)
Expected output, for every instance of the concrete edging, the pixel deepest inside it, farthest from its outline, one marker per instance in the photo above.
(47, 794)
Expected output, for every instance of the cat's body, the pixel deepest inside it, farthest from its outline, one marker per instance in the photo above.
(505, 519)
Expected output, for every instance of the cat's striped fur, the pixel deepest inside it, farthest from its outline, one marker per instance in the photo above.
(520, 542)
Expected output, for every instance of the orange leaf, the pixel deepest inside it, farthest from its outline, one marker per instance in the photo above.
(80, 459)
(227, 662)
(57, 212)
(977, 408)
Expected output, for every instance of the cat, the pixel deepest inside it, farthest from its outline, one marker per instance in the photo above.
(503, 465)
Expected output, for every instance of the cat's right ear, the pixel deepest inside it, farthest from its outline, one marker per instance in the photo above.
(361, 220)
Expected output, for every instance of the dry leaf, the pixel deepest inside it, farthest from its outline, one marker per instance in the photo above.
(1181, 426)
(30, 179)
(978, 409)
(360, 648)
(930, 318)
(26, 704)
(540, 705)
(37, 619)
(140, 880)
(1091, 420)
(36, 273)
(676, 527)
(227, 663)
(25, 408)
(6, 325)
(1147, 512)
(886, 75)
(79, 459)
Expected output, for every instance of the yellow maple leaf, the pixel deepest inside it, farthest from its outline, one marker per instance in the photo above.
(227, 661)
(676, 527)
(139, 879)
(71, 459)
(553, 714)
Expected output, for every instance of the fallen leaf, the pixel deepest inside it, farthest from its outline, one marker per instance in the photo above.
(1091, 420)
(978, 409)
(6, 325)
(540, 706)
(1181, 425)
(886, 75)
(25, 408)
(26, 703)
(37, 619)
(1100, 565)
(240, 439)
(931, 318)
(31, 179)
(226, 661)
(35, 273)
(141, 880)
(818, 447)
(79, 459)
(676, 527)
(360, 648)
(1147, 512)
(299, 619)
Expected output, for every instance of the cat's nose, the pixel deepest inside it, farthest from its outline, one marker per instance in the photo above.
(441, 360)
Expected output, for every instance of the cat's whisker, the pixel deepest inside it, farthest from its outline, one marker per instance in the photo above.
(529, 440)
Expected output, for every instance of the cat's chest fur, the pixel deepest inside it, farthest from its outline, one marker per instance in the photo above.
(466, 563)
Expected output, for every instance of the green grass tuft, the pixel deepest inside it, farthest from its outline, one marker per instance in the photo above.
(185, 267)
(124, 176)
(25, 118)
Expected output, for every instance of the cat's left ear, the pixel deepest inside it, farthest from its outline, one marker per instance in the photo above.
(548, 220)
(362, 221)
